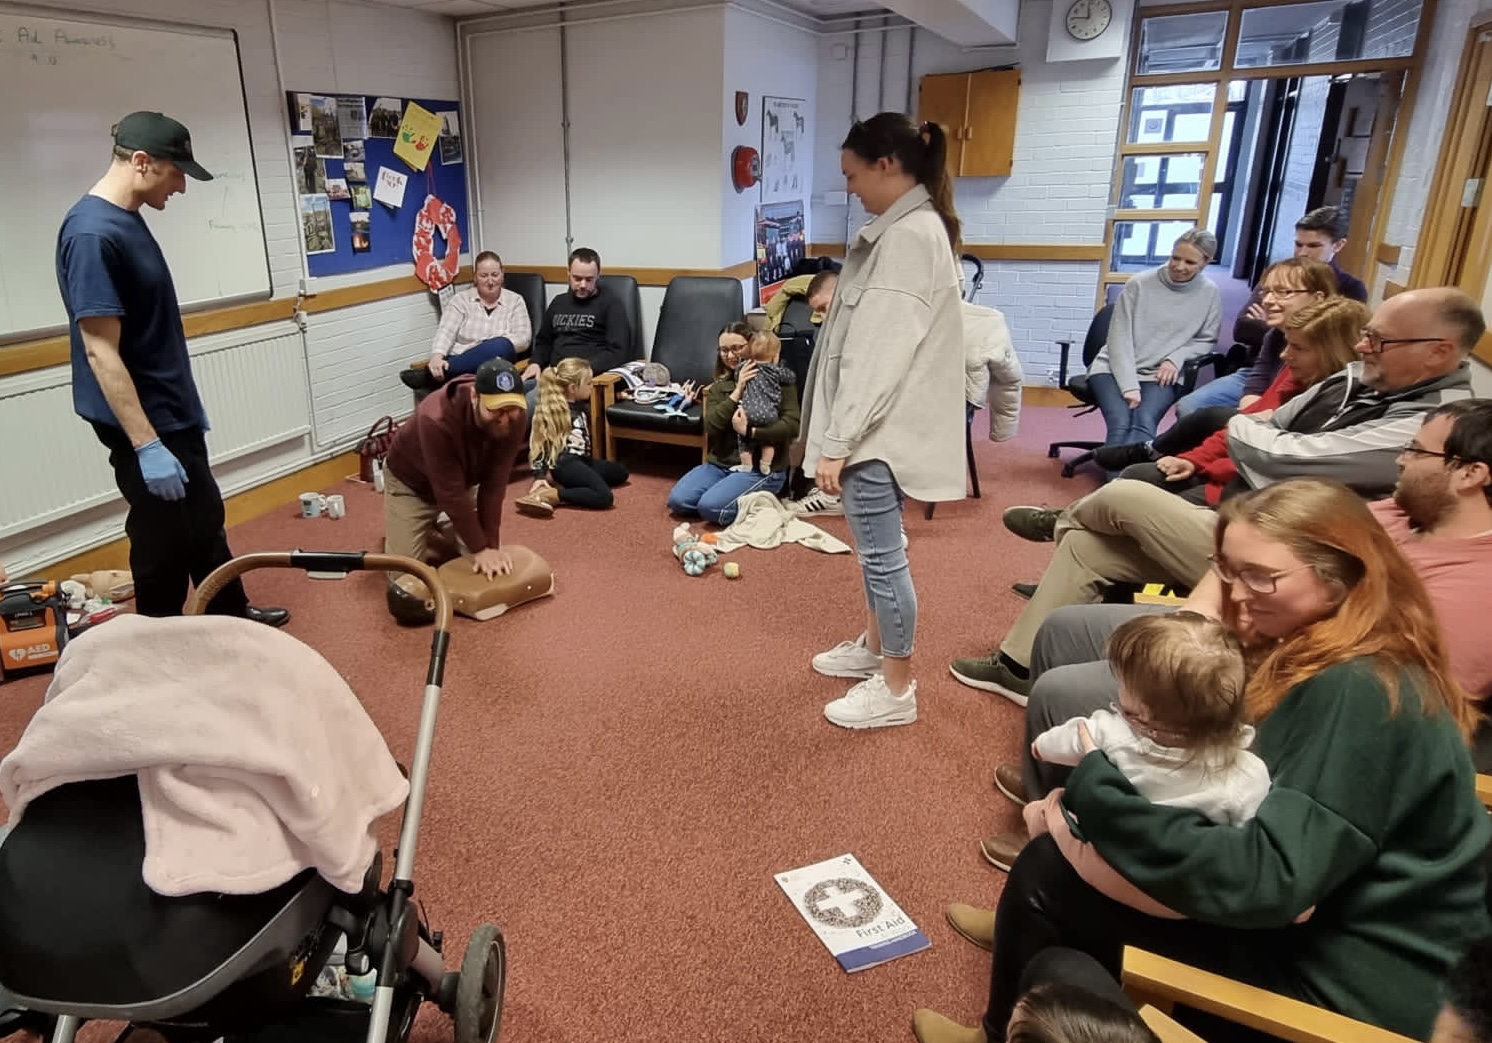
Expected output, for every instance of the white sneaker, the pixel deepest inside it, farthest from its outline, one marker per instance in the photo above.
(870, 704)
(820, 504)
(848, 659)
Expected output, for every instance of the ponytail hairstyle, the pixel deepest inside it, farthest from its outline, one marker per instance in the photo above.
(921, 151)
(551, 424)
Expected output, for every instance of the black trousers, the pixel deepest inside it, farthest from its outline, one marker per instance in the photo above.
(1046, 905)
(173, 545)
(1192, 430)
(587, 482)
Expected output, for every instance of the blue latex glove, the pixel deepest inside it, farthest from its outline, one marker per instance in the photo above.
(163, 473)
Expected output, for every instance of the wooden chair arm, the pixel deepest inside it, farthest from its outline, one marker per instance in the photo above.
(604, 386)
(1484, 789)
(1166, 1029)
(1149, 978)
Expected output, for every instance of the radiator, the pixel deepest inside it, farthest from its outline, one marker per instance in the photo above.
(52, 465)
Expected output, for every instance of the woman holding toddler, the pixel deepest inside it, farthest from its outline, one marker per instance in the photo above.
(1358, 879)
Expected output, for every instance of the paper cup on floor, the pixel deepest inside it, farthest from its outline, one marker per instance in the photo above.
(336, 507)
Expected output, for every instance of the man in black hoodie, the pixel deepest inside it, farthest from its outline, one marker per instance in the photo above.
(585, 322)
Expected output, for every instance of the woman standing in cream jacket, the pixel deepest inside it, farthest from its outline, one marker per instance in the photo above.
(884, 400)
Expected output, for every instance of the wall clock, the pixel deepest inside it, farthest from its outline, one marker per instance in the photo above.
(1087, 19)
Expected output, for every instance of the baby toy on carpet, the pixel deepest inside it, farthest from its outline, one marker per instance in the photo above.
(696, 552)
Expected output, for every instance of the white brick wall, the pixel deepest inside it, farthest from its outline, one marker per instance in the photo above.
(1392, 25)
(1425, 131)
(1067, 128)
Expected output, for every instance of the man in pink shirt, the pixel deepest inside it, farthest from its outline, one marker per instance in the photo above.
(1441, 518)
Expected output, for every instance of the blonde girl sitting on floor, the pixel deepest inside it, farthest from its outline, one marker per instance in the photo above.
(561, 449)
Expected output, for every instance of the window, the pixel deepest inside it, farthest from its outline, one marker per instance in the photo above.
(1182, 43)
(1163, 115)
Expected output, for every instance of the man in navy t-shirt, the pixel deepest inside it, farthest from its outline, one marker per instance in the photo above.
(132, 376)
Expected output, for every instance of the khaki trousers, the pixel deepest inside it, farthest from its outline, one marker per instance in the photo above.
(409, 522)
(1126, 532)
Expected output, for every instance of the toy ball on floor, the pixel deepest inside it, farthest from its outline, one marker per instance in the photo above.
(694, 554)
(732, 570)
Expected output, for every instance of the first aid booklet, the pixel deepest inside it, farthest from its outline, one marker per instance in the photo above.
(857, 921)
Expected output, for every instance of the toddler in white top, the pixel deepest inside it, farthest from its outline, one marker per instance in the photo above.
(1177, 734)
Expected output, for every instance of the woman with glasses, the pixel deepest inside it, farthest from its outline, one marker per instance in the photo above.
(1320, 339)
(482, 322)
(1372, 820)
(1163, 318)
(710, 490)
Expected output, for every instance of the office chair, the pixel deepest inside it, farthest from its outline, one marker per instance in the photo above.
(1077, 386)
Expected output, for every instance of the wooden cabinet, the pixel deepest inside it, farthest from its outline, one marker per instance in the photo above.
(977, 109)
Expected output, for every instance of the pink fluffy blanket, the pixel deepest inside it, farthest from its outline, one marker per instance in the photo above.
(255, 759)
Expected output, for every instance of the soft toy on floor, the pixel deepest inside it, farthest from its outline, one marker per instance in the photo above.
(694, 552)
(114, 584)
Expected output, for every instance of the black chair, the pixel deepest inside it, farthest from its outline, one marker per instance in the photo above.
(1077, 384)
(798, 335)
(625, 287)
(695, 309)
(529, 286)
(973, 275)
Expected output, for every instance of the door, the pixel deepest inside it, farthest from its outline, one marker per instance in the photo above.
(945, 100)
(989, 134)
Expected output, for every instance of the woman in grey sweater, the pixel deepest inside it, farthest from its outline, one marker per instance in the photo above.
(1162, 318)
(884, 400)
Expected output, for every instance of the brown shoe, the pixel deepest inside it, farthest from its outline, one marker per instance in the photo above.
(973, 924)
(540, 503)
(1008, 781)
(931, 1027)
(1002, 849)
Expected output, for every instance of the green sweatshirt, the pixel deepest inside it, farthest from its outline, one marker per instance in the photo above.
(724, 444)
(1372, 819)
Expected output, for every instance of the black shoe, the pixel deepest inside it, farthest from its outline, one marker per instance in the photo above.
(1118, 457)
(270, 617)
(417, 378)
(1025, 590)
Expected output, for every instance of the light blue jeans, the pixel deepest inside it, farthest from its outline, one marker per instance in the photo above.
(1224, 391)
(872, 506)
(711, 491)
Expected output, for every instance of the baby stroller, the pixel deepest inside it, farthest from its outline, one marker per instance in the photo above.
(83, 938)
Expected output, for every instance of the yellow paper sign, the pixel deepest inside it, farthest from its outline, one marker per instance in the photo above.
(418, 132)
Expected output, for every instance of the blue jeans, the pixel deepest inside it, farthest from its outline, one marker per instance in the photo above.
(872, 506)
(1224, 391)
(711, 491)
(473, 357)
(1127, 426)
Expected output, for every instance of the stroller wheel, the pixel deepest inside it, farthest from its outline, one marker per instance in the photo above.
(479, 994)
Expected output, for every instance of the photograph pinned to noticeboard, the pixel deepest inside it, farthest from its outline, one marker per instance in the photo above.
(303, 113)
(418, 132)
(450, 137)
(362, 234)
(310, 169)
(354, 151)
(362, 197)
(326, 132)
(383, 121)
(336, 188)
(354, 171)
(316, 224)
(352, 117)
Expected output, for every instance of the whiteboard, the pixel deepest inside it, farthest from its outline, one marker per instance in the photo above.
(65, 82)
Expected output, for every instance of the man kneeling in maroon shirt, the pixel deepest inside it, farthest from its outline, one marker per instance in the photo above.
(454, 457)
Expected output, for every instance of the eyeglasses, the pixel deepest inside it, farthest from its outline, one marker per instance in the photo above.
(1415, 449)
(1377, 343)
(1260, 581)
(1285, 294)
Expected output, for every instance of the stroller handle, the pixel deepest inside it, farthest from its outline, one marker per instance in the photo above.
(340, 562)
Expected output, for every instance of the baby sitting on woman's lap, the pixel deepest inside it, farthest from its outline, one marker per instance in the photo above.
(1177, 734)
(762, 398)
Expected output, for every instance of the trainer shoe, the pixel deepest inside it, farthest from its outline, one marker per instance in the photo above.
(990, 675)
(1118, 457)
(848, 659)
(870, 704)
(1037, 524)
(1025, 590)
(819, 504)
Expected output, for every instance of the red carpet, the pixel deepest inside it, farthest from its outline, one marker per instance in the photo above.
(621, 769)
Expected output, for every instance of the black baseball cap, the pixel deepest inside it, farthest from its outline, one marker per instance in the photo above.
(160, 136)
(499, 385)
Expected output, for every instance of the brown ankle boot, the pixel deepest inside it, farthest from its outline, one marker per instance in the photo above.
(931, 1027)
(540, 503)
(974, 924)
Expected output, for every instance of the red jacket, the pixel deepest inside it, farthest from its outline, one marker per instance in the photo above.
(1211, 457)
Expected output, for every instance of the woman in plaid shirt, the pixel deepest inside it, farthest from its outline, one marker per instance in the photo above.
(477, 324)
